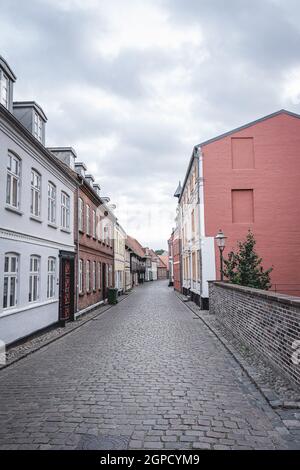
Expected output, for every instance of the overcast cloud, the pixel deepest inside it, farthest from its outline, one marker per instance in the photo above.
(133, 85)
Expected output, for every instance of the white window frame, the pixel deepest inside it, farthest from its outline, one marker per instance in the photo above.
(94, 224)
(65, 211)
(10, 278)
(87, 276)
(80, 275)
(51, 202)
(4, 89)
(13, 179)
(80, 214)
(51, 277)
(38, 126)
(94, 276)
(35, 201)
(99, 275)
(87, 207)
(34, 278)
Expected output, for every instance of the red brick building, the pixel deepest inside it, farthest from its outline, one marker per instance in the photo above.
(94, 229)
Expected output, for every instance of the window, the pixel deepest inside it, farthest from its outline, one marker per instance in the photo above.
(242, 205)
(35, 207)
(87, 276)
(94, 275)
(106, 275)
(99, 275)
(38, 127)
(87, 219)
(4, 88)
(51, 277)
(80, 276)
(11, 268)
(80, 214)
(13, 181)
(34, 278)
(51, 203)
(94, 224)
(194, 268)
(65, 211)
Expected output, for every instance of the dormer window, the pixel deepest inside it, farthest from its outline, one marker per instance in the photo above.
(38, 127)
(4, 89)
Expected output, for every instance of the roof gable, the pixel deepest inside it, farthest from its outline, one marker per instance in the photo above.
(249, 124)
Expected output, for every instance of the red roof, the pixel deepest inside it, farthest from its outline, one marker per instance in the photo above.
(135, 246)
(164, 261)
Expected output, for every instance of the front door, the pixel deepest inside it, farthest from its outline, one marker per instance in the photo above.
(66, 286)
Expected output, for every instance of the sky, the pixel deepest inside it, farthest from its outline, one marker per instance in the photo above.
(133, 85)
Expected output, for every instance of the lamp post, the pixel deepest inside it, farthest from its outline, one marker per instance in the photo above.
(221, 241)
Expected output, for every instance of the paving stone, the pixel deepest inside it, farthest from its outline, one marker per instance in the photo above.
(144, 370)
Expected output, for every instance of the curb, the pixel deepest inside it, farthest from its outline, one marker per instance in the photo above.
(269, 395)
(102, 310)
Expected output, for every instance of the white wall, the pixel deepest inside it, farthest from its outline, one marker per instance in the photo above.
(25, 318)
(22, 235)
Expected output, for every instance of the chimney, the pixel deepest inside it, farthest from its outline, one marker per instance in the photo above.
(80, 168)
(65, 154)
(97, 188)
(31, 115)
(90, 179)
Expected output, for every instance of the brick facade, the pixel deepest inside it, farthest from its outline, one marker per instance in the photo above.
(267, 322)
(95, 248)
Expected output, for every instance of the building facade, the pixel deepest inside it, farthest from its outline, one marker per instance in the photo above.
(171, 258)
(119, 258)
(36, 229)
(245, 179)
(251, 181)
(137, 261)
(162, 267)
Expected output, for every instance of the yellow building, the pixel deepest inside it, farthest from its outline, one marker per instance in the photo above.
(119, 257)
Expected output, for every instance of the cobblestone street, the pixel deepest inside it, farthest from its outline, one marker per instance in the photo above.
(148, 370)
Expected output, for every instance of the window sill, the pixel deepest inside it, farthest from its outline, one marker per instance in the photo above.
(52, 225)
(36, 219)
(14, 209)
(65, 230)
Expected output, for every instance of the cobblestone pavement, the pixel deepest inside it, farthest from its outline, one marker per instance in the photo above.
(148, 370)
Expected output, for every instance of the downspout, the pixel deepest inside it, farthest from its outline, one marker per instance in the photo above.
(78, 250)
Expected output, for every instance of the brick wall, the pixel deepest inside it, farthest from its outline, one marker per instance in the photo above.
(267, 322)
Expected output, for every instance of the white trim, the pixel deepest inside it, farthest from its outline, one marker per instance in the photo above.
(27, 238)
(45, 162)
(30, 306)
(87, 309)
(207, 243)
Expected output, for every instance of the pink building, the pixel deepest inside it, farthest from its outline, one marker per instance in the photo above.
(250, 178)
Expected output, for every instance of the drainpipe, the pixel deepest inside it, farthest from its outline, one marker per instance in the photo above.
(77, 283)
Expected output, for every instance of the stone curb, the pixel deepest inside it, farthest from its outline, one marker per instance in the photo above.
(270, 395)
(102, 309)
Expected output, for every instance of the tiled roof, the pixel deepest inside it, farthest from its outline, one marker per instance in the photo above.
(135, 246)
(164, 261)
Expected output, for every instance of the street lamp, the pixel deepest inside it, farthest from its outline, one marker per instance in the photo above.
(221, 241)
